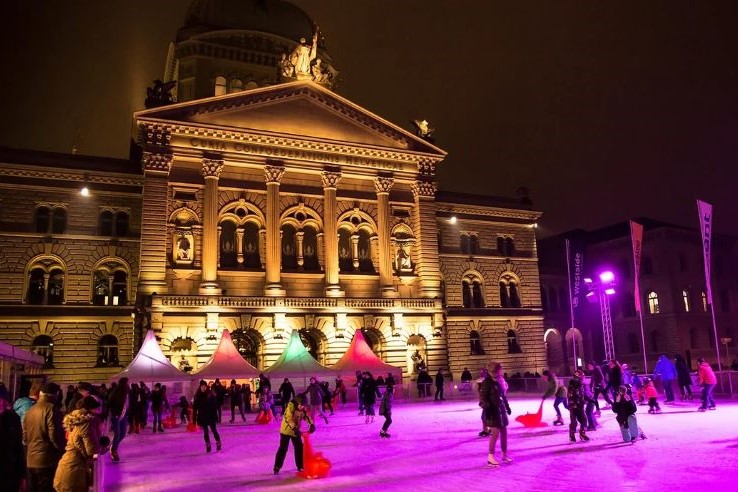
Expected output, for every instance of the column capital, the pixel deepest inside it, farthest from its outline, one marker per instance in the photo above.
(383, 184)
(330, 179)
(211, 168)
(427, 167)
(157, 162)
(425, 189)
(273, 174)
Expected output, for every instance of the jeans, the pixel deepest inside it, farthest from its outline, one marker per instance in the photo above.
(156, 412)
(630, 431)
(576, 415)
(707, 401)
(284, 443)
(41, 479)
(206, 434)
(119, 426)
(439, 393)
(599, 390)
(237, 404)
(558, 401)
(669, 389)
(387, 421)
(589, 412)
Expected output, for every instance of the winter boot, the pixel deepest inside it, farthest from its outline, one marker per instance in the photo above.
(583, 436)
(558, 421)
(207, 447)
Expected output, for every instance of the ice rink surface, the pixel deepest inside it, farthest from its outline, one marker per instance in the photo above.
(435, 446)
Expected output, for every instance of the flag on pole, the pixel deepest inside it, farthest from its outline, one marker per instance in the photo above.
(636, 237)
(704, 210)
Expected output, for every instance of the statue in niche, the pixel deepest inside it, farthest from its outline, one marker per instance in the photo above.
(418, 362)
(160, 94)
(286, 68)
(183, 249)
(319, 75)
(403, 261)
(303, 55)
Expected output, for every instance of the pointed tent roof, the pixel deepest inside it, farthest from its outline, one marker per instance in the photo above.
(151, 365)
(226, 362)
(296, 362)
(359, 357)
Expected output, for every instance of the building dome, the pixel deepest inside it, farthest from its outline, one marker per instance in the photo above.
(275, 17)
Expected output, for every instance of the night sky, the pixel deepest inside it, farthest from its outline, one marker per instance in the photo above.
(603, 110)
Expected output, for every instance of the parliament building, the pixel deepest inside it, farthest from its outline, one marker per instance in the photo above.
(261, 201)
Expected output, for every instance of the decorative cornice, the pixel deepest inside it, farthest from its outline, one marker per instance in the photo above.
(502, 213)
(156, 135)
(273, 174)
(211, 168)
(425, 189)
(383, 184)
(157, 162)
(330, 179)
(56, 174)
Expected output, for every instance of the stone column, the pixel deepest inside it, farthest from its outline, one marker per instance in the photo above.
(382, 185)
(239, 245)
(299, 238)
(153, 256)
(47, 275)
(425, 229)
(273, 175)
(355, 251)
(330, 239)
(211, 169)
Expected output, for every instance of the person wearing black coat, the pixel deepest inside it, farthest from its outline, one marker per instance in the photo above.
(369, 394)
(12, 454)
(495, 407)
(286, 393)
(439, 386)
(577, 403)
(597, 385)
(205, 413)
(683, 377)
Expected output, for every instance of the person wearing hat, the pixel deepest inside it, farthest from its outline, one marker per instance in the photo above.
(205, 413)
(706, 378)
(12, 456)
(576, 408)
(83, 428)
(289, 430)
(43, 434)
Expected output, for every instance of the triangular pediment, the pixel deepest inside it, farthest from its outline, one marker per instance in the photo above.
(302, 110)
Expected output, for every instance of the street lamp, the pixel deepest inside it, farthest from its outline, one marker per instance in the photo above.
(603, 290)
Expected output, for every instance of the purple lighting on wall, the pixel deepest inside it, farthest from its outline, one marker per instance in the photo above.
(607, 277)
(609, 291)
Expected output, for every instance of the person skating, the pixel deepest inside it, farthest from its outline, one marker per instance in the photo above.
(597, 384)
(706, 378)
(649, 389)
(496, 409)
(119, 403)
(615, 377)
(286, 393)
(340, 389)
(43, 433)
(576, 408)
(369, 394)
(315, 393)
(667, 371)
(684, 379)
(12, 454)
(236, 398)
(483, 373)
(289, 430)
(554, 387)
(205, 413)
(625, 409)
(327, 396)
(158, 404)
(385, 410)
(439, 380)
(589, 407)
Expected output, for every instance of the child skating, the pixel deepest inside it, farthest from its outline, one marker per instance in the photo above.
(385, 410)
(649, 389)
(576, 408)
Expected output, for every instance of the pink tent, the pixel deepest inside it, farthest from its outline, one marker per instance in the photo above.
(151, 365)
(359, 357)
(226, 363)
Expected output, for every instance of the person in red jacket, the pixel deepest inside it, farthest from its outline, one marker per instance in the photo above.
(651, 395)
(706, 379)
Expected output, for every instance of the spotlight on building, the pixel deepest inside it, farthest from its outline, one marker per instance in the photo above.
(452, 219)
(84, 191)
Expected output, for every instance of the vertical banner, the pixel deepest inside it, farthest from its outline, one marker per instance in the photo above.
(704, 210)
(636, 237)
(575, 263)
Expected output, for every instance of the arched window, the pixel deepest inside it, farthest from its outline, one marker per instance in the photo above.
(504, 296)
(464, 243)
(251, 256)
(373, 338)
(310, 250)
(220, 86)
(501, 246)
(106, 223)
(56, 286)
(43, 345)
(704, 301)
(514, 295)
(101, 288)
(473, 244)
(633, 345)
(43, 220)
(180, 344)
(653, 303)
(692, 338)
(247, 344)
(477, 294)
(107, 351)
(513, 347)
(553, 299)
(228, 244)
(121, 224)
(345, 262)
(36, 287)
(509, 246)
(311, 343)
(466, 295)
(655, 338)
(120, 288)
(236, 85)
(647, 265)
(544, 299)
(289, 248)
(686, 302)
(59, 221)
(365, 252)
(475, 343)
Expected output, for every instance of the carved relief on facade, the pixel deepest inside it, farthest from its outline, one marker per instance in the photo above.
(157, 162)
(424, 189)
(330, 179)
(273, 174)
(403, 245)
(212, 167)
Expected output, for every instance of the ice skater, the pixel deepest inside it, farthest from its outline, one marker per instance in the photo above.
(589, 407)
(706, 378)
(385, 410)
(597, 384)
(667, 371)
(315, 392)
(289, 430)
(205, 413)
(649, 390)
(119, 401)
(625, 409)
(236, 398)
(684, 379)
(369, 394)
(496, 408)
(576, 408)
(557, 389)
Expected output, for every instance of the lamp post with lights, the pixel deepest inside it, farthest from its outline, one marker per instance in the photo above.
(603, 290)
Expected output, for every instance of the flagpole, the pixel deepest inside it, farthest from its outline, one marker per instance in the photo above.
(717, 340)
(571, 305)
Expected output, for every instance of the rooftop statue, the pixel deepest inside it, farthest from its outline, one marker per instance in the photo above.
(424, 130)
(303, 56)
(160, 94)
